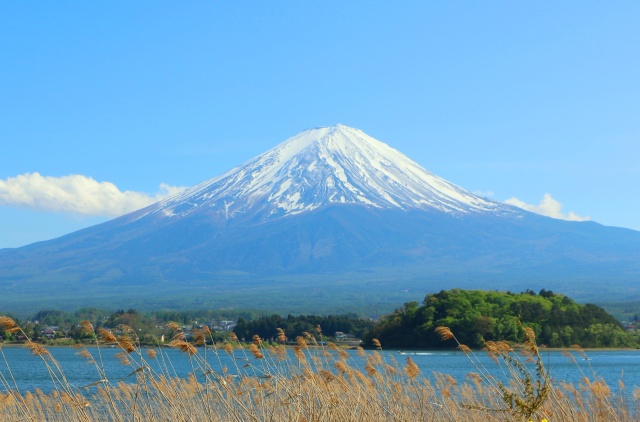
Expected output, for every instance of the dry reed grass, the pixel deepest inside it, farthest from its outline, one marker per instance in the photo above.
(309, 382)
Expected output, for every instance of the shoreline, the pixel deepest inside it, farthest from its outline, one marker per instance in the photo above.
(390, 350)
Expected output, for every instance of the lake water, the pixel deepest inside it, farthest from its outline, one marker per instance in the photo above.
(29, 372)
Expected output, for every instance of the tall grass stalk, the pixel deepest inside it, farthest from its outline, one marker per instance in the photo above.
(314, 380)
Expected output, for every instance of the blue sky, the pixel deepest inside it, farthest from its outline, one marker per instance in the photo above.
(106, 107)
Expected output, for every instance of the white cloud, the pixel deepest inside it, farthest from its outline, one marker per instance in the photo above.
(75, 194)
(548, 206)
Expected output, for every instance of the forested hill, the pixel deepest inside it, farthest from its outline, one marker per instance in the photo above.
(475, 316)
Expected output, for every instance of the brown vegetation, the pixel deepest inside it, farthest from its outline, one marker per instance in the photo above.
(310, 382)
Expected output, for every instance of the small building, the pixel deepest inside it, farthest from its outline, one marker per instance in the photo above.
(50, 332)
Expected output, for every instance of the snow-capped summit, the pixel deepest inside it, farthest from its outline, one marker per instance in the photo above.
(321, 166)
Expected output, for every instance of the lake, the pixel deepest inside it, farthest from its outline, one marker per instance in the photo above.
(29, 372)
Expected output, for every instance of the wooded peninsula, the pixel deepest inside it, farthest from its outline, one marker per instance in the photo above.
(476, 316)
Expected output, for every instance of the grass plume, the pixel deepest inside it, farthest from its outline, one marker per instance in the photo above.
(311, 381)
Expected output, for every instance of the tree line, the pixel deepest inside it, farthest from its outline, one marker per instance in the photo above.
(294, 326)
(475, 316)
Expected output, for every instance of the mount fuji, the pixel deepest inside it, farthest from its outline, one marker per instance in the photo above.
(331, 219)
